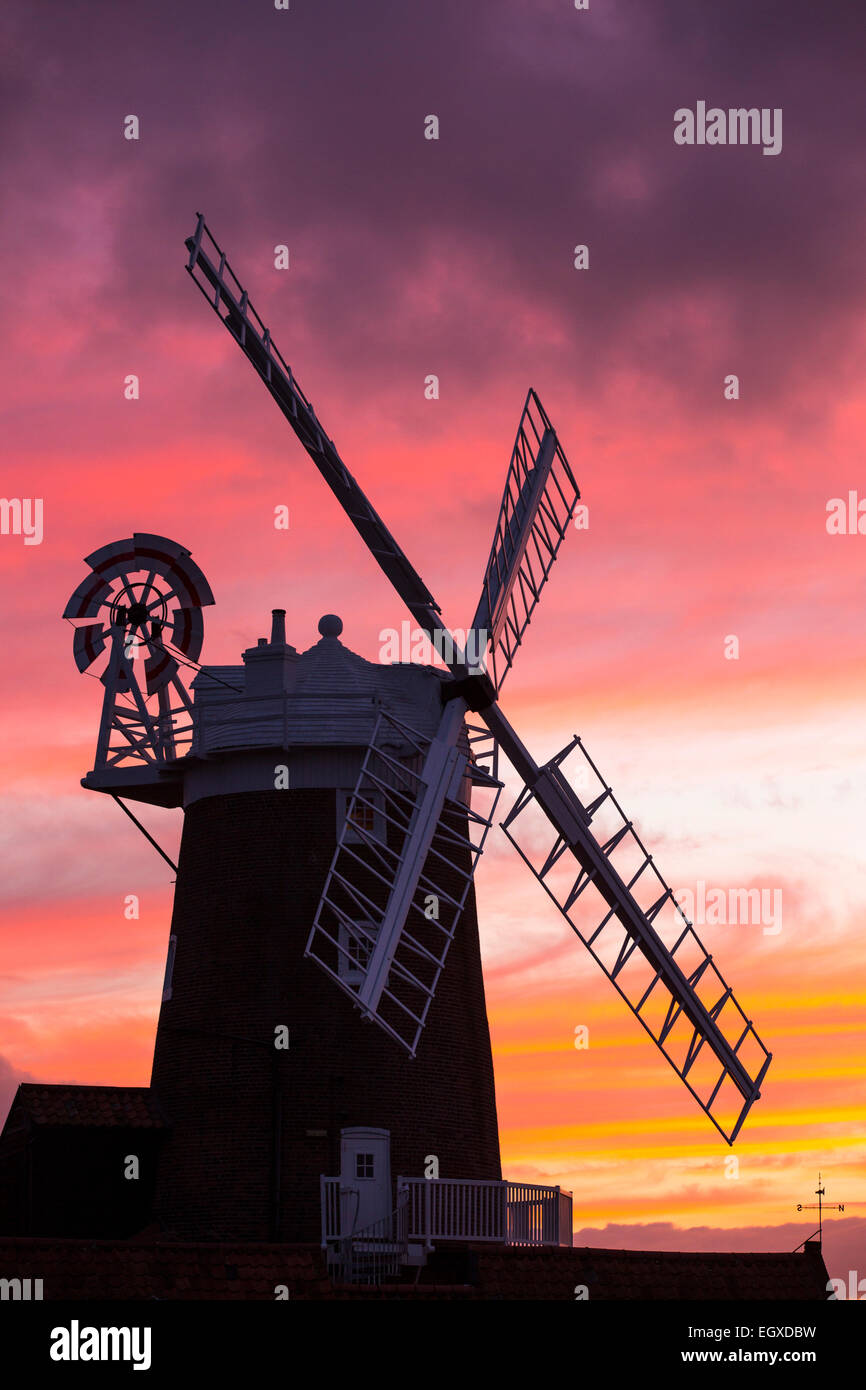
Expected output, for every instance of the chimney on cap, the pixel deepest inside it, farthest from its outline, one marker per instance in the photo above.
(271, 666)
(278, 627)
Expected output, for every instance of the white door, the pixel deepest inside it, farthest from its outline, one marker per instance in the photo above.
(365, 1170)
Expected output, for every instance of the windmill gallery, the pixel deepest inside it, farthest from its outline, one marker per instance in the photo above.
(302, 909)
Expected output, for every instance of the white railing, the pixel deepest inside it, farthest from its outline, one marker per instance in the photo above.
(453, 1209)
(506, 1212)
(566, 1218)
(533, 1214)
(509, 1213)
(370, 1256)
(339, 1209)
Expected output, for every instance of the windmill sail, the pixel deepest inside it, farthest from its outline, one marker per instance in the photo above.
(675, 991)
(214, 276)
(537, 506)
(401, 872)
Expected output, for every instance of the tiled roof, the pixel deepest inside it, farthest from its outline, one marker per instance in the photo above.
(129, 1106)
(168, 1270)
(156, 1270)
(650, 1274)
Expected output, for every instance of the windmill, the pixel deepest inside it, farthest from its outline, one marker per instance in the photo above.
(323, 1006)
(390, 909)
(141, 594)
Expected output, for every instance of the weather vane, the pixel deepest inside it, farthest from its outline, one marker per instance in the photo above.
(817, 1206)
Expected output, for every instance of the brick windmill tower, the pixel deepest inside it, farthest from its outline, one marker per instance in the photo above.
(272, 1080)
(322, 1064)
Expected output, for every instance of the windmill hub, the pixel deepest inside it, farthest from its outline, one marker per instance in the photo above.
(132, 616)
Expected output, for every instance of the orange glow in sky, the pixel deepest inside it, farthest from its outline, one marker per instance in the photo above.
(707, 521)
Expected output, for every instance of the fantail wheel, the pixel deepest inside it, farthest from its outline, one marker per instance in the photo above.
(136, 612)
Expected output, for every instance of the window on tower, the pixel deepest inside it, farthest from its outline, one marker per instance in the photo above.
(356, 946)
(361, 816)
(364, 1166)
(359, 952)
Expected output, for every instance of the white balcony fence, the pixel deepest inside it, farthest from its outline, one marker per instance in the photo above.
(438, 1209)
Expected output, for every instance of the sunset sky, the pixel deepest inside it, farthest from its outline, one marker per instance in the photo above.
(707, 516)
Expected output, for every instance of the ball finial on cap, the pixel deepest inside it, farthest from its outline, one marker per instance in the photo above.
(330, 625)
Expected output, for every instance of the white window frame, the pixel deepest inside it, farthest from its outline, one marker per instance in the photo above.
(348, 971)
(344, 799)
